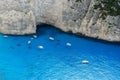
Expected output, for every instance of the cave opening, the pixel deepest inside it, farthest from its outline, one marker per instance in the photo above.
(43, 29)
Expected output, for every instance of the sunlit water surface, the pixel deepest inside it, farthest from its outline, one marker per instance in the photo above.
(20, 61)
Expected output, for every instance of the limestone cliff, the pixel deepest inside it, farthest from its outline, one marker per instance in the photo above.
(20, 17)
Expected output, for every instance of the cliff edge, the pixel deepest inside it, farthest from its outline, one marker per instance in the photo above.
(19, 17)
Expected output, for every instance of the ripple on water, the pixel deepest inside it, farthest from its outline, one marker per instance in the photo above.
(20, 61)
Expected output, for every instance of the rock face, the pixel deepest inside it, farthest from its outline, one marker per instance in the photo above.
(20, 17)
(16, 17)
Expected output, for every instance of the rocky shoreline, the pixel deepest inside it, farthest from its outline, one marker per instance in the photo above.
(20, 17)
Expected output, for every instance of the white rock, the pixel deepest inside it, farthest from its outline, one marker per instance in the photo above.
(68, 44)
(35, 36)
(85, 61)
(5, 36)
(29, 42)
(40, 47)
(51, 38)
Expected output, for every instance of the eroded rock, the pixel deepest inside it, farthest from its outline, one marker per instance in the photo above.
(19, 17)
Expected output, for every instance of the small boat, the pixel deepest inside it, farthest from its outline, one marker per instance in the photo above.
(29, 42)
(68, 44)
(85, 61)
(51, 38)
(5, 36)
(40, 47)
(32, 38)
(35, 36)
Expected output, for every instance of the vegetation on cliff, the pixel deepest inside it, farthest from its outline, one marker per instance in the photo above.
(107, 7)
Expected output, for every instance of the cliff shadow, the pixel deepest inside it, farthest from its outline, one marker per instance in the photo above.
(43, 29)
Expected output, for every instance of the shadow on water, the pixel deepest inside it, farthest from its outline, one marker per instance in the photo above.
(41, 31)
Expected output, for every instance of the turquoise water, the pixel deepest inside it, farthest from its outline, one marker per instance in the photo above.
(20, 61)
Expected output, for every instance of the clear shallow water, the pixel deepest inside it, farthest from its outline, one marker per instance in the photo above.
(20, 61)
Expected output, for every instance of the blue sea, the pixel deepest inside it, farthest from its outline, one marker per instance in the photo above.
(57, 61)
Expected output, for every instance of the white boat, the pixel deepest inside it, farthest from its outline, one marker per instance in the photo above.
(5, 36)
(40, 47)
(85, 61)
(51, 38)
(35, 36)
(68, 44)
(29, 42)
